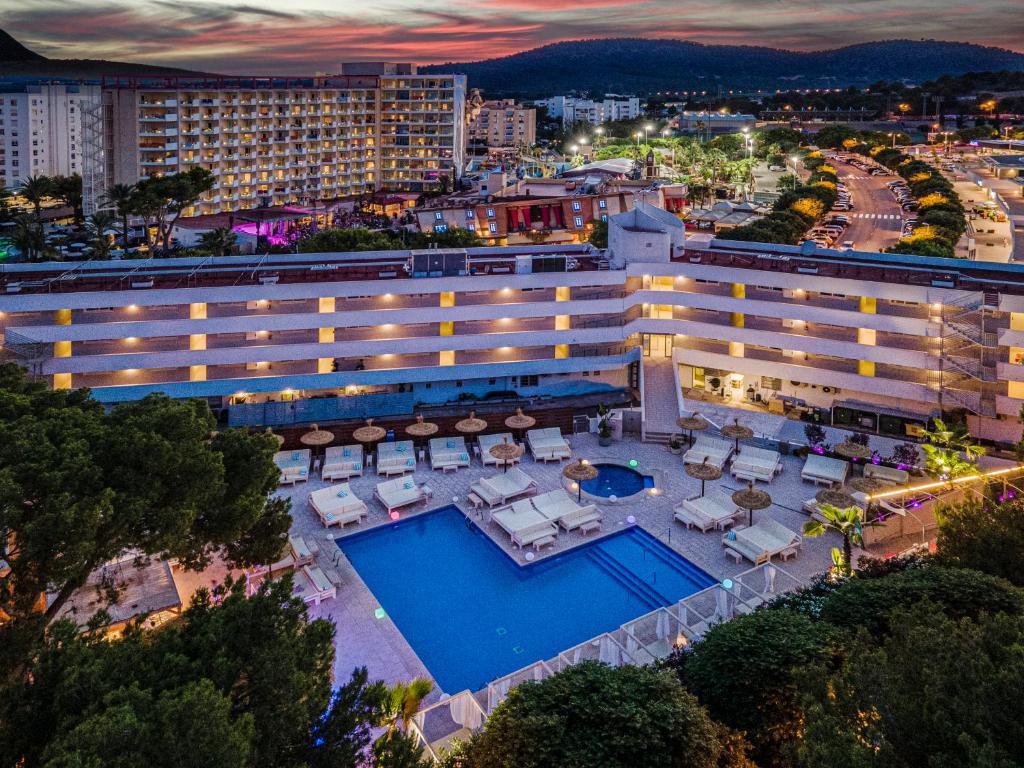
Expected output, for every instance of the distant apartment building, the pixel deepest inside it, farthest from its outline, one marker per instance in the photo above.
(499, 124)
(276, 141)
(574, 110)
(42, 130)
(712, 122)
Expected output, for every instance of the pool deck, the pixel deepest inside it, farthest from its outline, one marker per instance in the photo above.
(363, 640)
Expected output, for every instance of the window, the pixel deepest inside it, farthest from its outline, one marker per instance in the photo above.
(577, 221)
(440, 227)
(577, 205)
(493, 225)
(602, 203)
(470, 214)
(604, 217)
(438, 216)
(490, 213)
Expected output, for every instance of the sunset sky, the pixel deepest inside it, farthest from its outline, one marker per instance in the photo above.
(304, 36)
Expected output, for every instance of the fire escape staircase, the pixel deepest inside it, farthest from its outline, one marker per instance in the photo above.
(968, 353)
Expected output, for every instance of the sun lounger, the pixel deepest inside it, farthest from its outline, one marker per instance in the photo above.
(756, 464)
(337, 505)
(558, 507)
(396, 458)
(342, 462)
(294, 466)
(503, 487)
(715, 450)
(489, 441)
(887, 474)
(548, 444)
(313, 586)
(824, 470)
(448, 453)
(526, 525)
(762, 541)
(399, 492)
(300, 549)
(713, 510)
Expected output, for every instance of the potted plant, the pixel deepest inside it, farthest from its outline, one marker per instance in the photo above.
(675, 444)
(604, 432)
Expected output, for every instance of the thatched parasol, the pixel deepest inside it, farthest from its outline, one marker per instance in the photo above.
(520, 420)
(578, 472)
(836, 498)
(316, 438)
(506, 452)
(472, 425)
(737, 432)
(703, 472)
(851, 450)
(751, 498)
(421, 428)
(691, 424)
(279, 438)
(369, 434)
(866, 484)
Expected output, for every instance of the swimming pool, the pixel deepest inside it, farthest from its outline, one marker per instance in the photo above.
(616, 480)
(472, 614)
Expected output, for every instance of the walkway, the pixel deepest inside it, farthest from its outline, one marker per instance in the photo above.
(661, 404)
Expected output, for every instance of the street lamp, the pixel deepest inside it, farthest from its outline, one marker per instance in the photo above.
(637, 136)
(794, 159)
(891, 133)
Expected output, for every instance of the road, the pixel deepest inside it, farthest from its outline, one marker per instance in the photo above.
(876, 218)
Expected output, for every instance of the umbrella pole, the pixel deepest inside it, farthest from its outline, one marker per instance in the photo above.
(702, 488)
(750, 516)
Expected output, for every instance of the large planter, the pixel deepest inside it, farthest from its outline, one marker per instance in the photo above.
(604, 442)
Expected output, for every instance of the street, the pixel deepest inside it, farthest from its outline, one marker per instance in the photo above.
(876, 218)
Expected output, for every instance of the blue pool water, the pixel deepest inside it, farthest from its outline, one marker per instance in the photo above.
(472, 614)
(613, 480)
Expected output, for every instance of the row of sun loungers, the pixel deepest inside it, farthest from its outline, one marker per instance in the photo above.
(535, 521)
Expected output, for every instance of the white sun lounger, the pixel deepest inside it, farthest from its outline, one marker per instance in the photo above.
(762, 541)
(548, 444)
(342, 462)
(713, 510)
(294, 466)
(313, 586)
(448, 453)
(338, 505)
(399, 492)
(504, 486)
(526, 525)
(489, 441)
(396, 458)
(756, 464)
(715, 450)
(824, 470)
(558, 507)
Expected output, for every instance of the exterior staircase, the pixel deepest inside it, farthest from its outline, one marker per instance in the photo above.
(660, 400)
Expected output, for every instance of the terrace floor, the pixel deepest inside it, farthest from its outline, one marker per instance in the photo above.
(364, 640)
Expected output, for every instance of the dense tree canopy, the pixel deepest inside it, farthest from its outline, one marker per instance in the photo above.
(985, 535)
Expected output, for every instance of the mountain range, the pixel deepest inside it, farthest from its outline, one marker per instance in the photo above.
(632, 65)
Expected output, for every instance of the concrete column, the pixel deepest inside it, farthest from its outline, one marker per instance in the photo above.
(62, 349)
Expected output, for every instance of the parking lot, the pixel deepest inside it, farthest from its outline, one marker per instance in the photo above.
(876, 219)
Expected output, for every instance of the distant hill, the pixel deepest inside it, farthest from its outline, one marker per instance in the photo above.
(18, 62)
(630, 65)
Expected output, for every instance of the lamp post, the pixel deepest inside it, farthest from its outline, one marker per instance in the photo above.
(796, 178)
(598, 133)
(648, 127)
(893, 134)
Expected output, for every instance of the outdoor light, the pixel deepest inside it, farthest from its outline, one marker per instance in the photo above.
(379, 613)
(633, 463)
(727, 583)
(631, 520)
(584, 461)
(530, 556)
(394, 514)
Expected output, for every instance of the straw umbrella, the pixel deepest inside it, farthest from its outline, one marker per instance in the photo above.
(520, 421)
(578, 472)
(421, 428)
(737, 432)
(866, 484)
(851, 450)
(506, 452)
(751, 498)
(316, 438)
(369, 434)
(279, 438)
(691, 424)
(835, 497)
(703, 472)
(471, 426)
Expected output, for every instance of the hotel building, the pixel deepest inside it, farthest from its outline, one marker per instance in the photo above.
(275, 141)
(885, 340)
(500, 124)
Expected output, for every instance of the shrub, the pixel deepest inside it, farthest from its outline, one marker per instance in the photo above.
(986, 536)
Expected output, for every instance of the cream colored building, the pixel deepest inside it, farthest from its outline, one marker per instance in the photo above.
(500, 124)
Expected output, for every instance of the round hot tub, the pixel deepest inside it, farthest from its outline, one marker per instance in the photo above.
(617, 480)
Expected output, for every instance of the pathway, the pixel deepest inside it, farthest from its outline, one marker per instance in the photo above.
(661, 404)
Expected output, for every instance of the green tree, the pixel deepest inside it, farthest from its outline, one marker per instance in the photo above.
(68, 189)
(219, 241)
(165, 198)
(594, 716)
(98, 225)
(79, 486)
(402, 701)
(848, 523)
(27, 237)
(745, 671)
(121, 197)
(599, 234)
(950, 451)
(985, 536)
(936, 693)
(35, 189)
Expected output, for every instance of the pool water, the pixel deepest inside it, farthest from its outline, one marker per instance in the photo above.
(615, 480)
(472, 614)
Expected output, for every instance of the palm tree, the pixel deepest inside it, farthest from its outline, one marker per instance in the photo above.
(34, 189)
(402, 701)
(848, 523)
(98, 225)
(27, 238)
(68, 189)
(121, 197)
(218, 241)
(950, 451)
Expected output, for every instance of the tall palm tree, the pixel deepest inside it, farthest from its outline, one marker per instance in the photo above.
(34, 189)
(98, 226)
(402, 701)
(950, 451)
(27, 238)
(218, 241)
(848, 523)
(68, 189)
(121, 197)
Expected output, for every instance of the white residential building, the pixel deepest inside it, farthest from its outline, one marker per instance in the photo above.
(42, 130)
(882, 340)
(575, 110)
